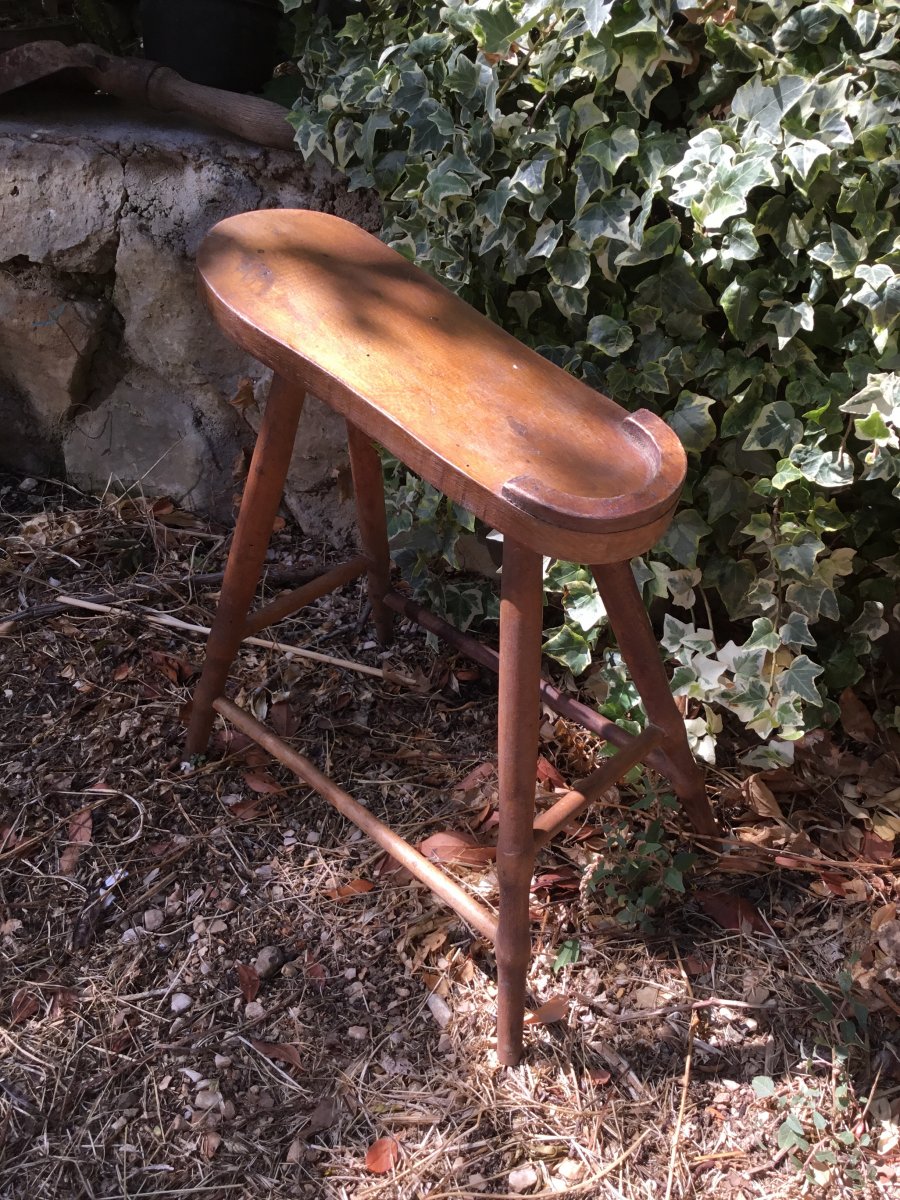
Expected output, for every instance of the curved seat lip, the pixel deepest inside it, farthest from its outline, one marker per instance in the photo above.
(230, 251)
(667, 466)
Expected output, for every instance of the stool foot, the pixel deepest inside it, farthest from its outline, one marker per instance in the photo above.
(368, 486)
(259, 508)
(634, 633)
(521, 604)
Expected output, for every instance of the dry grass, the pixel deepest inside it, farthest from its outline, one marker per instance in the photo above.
(135, 1059)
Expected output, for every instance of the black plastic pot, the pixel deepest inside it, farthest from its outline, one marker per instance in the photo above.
(230, 44)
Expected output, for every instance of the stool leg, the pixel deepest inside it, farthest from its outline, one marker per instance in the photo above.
(521, 605)
(259, 508)
(368, 487)
(634, 633)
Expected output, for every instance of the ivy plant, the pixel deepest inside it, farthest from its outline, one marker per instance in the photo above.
(693, 207)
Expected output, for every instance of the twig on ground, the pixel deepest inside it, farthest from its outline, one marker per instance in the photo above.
(152, 617)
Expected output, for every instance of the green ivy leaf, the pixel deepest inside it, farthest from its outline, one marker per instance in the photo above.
(569, 647)
(682, 540)
(610, 336)
(691, 421)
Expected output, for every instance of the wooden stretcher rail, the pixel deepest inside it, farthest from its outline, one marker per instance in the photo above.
(560, 703)
(567, 807)
(286, 604)
(475, 913)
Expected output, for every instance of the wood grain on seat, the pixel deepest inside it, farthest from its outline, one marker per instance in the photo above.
(527, 448)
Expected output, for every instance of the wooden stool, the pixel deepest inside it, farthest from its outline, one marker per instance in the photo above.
(558, 468)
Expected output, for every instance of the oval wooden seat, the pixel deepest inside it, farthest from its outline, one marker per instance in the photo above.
(527, 448)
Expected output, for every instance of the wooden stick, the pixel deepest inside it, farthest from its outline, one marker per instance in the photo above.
(156, 618)
(471, 910)
(42, 612)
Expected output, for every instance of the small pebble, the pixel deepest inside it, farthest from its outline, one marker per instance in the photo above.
(522, 1178)
(440, 1009)
(268, 961)
(129, 936)
(359, 1033)
(254, 1011)
(153, 919)
(180, 1002)
(208, 1098)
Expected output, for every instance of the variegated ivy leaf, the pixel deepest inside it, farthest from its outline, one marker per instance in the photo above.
(681, 586)
(567, 646)
(763, 636)
(691, 421)
(799, 680)
(827, 468)
(682, 539)
(798, 557)
(610, 146)
(765, 105)
(775, 428)
(795, 631)
(582, 604)
(610, 336)
(683, 639)
(870, 623)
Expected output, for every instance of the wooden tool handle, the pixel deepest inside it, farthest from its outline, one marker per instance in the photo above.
(249, 117)
(161, 88)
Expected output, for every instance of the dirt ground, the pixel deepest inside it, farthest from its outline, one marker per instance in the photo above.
(212, 985)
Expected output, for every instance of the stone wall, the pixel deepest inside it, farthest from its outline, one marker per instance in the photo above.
(111, 370)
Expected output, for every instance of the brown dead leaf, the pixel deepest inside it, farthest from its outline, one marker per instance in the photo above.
(209, 1143)
(760, 798)
(887, 912)
(454, 846)
(80, 826)
(552, 1010)
(262, 783)
(476, 776)
(548, 774)
(64, 1000)
(856, 719)
(23, 1006)
(244, 397)
(382, 1156)
(598, 1076)
(247, 810)
(731, 912)
(315, 971)
(875, 848)
(283, 719)
(248, 980)
(387, 867)
(356, 887)
(282, 1052)
(326, 1113)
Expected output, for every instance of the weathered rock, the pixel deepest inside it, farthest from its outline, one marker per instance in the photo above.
(109, 362)
(60, 204)
(47, 339)
(268, 961)
(150, 432)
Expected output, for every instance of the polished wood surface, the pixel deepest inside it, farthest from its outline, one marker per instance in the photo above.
(527, 448)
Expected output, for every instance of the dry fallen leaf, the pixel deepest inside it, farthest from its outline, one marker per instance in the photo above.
(23, 1006)
(876, 849)
(262, 783)
(453, 846)
(476, 776)
(760, 799)
(356, 887)
(324, 1115)
(731, 912)
(856, 718)
(244, 397)
(382, 1156)
(248, 980)
(209, 1143)
(547, 773)
(552, 1010)
(80, 825)
(278, 1052)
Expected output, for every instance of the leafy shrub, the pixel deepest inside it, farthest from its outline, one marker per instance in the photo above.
(693, 208)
